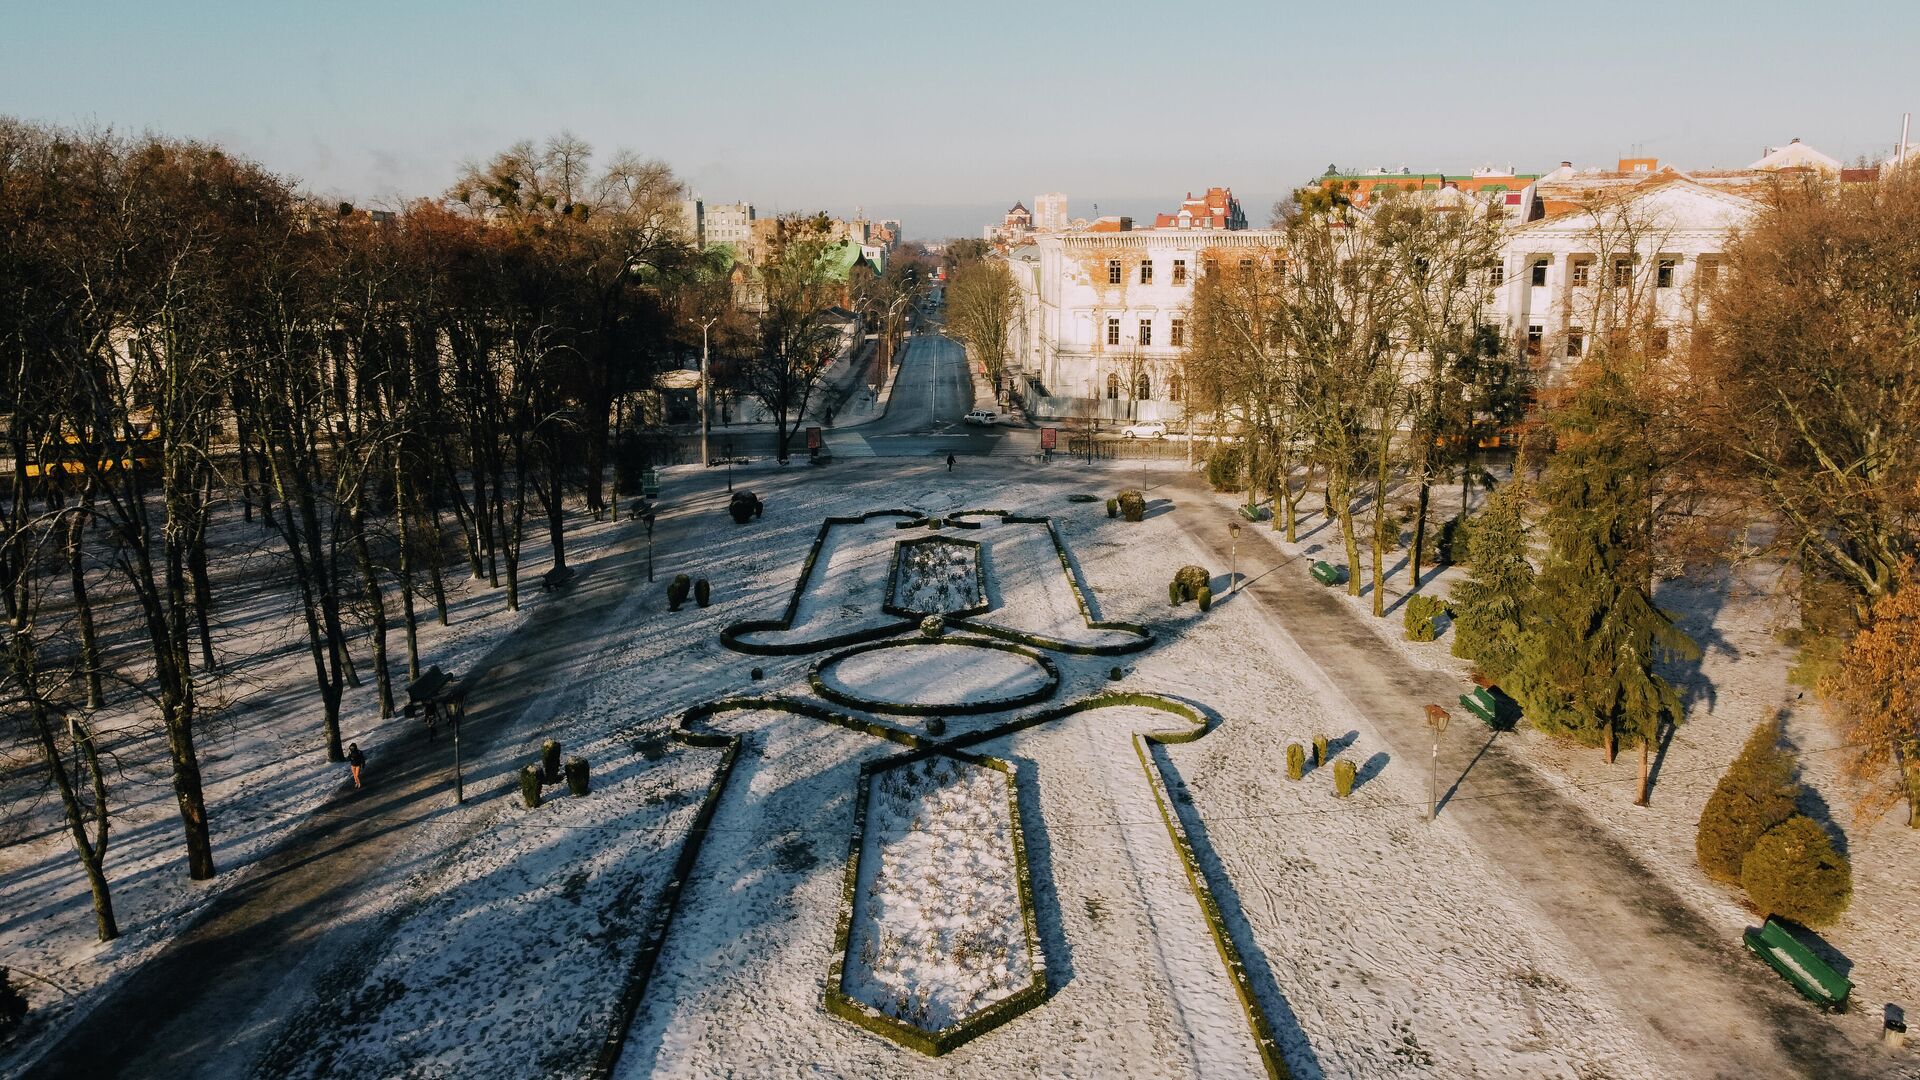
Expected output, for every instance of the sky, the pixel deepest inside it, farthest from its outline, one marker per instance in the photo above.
(943, 115)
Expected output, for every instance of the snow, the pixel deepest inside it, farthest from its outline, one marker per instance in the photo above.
(951, 672)
(938, 932)
(936, 575)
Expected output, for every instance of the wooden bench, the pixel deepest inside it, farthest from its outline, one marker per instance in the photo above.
(556, 578)
(1328, 574)
(1255, 513)
(1494, 709)
(1798, 965)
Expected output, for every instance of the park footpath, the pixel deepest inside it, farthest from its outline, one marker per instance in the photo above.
(216, 996)
(1706, 1003)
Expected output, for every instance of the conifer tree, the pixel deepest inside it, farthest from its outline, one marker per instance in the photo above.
(1795, 873)
(1586, 660)
(1489, 607)
(1756, 793)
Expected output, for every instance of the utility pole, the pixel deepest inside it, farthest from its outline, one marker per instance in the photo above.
(1233, 555)
(1437, 718)
(706, 412)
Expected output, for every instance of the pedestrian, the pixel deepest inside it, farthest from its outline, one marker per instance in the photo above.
(949, 462)
(356, 761)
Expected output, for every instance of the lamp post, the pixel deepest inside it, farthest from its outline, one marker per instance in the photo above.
(706, 413)
(1437, 718)
(1233, 556)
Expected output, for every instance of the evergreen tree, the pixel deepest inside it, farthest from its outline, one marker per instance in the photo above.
(1795, 873)
(1756, 794)
(1593, 634)
(1490, 606)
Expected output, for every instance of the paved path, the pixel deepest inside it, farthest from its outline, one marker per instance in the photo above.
(1696, 992)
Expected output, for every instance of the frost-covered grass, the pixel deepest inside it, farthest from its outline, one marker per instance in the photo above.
(937, 928)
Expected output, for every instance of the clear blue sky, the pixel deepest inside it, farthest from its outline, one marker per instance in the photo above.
(942, 113)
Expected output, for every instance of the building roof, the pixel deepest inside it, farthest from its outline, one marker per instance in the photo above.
(1795, 155)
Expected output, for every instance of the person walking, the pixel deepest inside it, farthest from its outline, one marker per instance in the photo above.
(356, 761)
(949, 462)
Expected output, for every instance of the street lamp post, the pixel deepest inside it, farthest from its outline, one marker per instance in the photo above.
(1233, 556)
(706, 412)
(1437, 718)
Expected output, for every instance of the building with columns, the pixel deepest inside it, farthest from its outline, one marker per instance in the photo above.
(1101, 325)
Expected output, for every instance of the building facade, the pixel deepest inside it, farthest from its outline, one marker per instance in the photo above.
(1050, 212)
(1101, 325)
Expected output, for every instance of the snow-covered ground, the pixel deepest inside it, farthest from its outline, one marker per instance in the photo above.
(951, 671)
(938, 932)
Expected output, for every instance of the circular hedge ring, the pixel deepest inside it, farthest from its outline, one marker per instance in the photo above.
(945, 676)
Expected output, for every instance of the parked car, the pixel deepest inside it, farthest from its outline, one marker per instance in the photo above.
(982, 417)
(1152, 429)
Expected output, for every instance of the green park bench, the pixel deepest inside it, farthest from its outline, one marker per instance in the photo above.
(1328, 574)
(1798, 965)
(1255, 513)
(1492, 707)
(650, 483)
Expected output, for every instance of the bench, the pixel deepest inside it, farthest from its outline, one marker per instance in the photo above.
(428, 694)
(1798, 965)
(650, 483)
(1255, 513)
(556, 578)
(1496, 710)
(1328, 574)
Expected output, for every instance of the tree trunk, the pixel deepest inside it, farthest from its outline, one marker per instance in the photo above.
(1418, 554)
(376, 607)
(83, 608)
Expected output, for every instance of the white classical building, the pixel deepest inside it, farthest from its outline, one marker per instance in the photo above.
(1631, 258)
(1101, 327)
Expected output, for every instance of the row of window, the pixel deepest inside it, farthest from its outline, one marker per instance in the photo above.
(1580, 271)
(1176, 331)
(1115, 271)
(1657, 340)
(1142, 387)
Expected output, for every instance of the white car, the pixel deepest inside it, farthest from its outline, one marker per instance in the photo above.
(982, 417)
(1151, 430)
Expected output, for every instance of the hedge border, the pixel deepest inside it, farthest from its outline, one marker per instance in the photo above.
(1143, 635)
(979, 579)
(933, 1043)
(970, 708)
(732, 636)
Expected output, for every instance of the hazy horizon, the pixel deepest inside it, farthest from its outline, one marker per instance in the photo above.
(944, 117)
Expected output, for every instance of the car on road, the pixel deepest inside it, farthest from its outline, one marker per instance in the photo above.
(982, 417)
(1152, 429)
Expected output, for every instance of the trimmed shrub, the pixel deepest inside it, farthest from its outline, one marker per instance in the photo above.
(1420, 613)
(1205, 597)
(577, 775)
(702, 593)
(757, 674)
(1133, 505)
(1319, 750)
(1794, 873)
(1113, 508)
(1756, 794)
(1116, 674)
(1343, 778)
(677, 591)
(936, 725)
(1173, 593)
(1450, 547)
(530, 786)
(932, 625)
(1190, 580)
(1296, 761)
(550, 762)
(13, 1004)
(743, 507)
(1225, 464)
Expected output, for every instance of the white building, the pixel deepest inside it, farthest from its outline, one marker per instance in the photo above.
(1632, 258)
(1101, 328)
(729, 223)
(1050, 212)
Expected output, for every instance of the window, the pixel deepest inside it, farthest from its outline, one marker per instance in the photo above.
(1113, 331)
(1540, 272)
(1177, 332)
(1246, 266)
(1663, 274)
(1576, 341)
(1174, 388)
(1113, 271)
(1657, 341)
(1622, 273)
(1146, 331)
(1708, 271)
(1578, 271)
(1534, 335)
(1142, 387)
(1497, 275)
(1179, 271)
(1113, 387)
(1146, 272)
